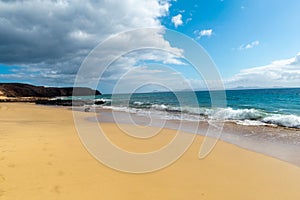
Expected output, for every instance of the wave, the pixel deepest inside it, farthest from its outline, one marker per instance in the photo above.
(239, 114)
(251, 123)
(256, 117)
(104, 100)
(291, 121)
(138, 103)
(248, 117)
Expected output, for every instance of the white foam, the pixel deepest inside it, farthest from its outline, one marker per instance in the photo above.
(239, 114)
(138, 103)
(121, 109)
(159, 106)
(247, 117)
(291, 121)
(251, 123)
(104, 99)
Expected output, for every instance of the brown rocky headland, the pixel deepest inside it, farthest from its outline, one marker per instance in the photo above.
(20, 92)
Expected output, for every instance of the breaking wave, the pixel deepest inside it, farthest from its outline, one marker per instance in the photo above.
(248, 117)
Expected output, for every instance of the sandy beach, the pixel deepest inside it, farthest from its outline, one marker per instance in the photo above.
(42, 157)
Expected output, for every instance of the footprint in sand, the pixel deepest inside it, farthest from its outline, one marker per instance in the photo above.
(56, 189)
(1, 192)
(60, 173)
(49, 163)
(11, 165)
(2, 178)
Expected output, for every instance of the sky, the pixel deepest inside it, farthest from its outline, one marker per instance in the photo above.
(253, 43)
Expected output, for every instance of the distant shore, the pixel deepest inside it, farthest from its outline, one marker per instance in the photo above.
(43, 158)
(20, 92)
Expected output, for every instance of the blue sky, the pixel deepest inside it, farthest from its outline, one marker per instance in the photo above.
(273, 23)
(254, 43)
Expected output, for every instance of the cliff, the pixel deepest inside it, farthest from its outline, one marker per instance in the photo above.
(25, 90)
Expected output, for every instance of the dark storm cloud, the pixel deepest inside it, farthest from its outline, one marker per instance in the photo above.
(51, 38)
(33, 32)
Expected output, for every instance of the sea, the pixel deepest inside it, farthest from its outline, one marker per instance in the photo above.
(257, 107)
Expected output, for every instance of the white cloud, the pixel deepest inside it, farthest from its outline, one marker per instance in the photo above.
(203, 33)
(280, 73)
(80, 35)
(207, 32)
(177, 20)
(50, 39)
(249, 46)
(188, 20)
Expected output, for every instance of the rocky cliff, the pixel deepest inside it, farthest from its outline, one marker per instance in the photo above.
(26, 90)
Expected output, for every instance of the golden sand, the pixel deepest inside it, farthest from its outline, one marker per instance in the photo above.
(41, 157)
(2, 95)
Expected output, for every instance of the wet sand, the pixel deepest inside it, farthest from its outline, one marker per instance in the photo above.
(42, 157)
(278, 142)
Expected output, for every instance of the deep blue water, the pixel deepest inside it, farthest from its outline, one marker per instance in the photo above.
(283, 101)
(251, 107)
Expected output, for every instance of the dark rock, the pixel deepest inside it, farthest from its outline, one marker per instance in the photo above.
(26, 90)
(99, 102)
(60, 102)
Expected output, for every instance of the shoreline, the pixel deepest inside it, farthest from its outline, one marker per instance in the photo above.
(260, 139)
(42, 157)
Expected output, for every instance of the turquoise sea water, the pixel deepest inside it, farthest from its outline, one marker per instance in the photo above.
(278, 107)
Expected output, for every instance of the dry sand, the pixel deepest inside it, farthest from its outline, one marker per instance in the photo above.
(2, 95)
(41, 157)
